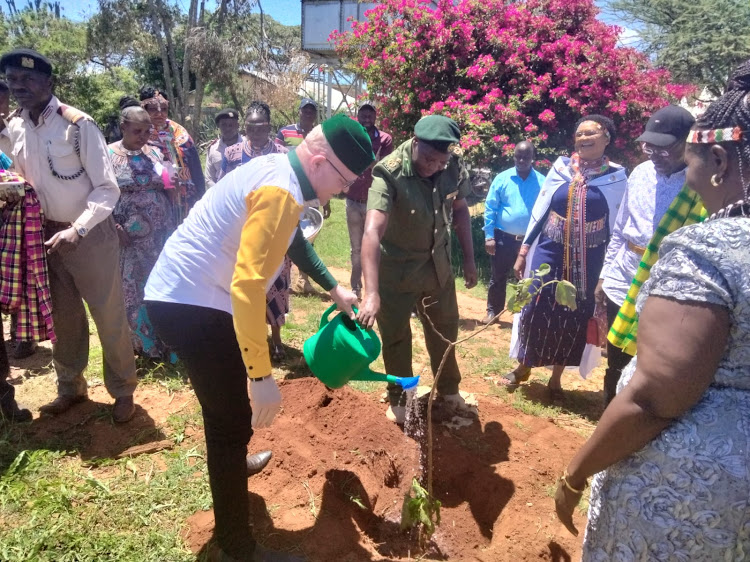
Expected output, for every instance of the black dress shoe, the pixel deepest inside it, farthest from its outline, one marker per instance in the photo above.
(62, 404)
(24, 349)
(257, 462)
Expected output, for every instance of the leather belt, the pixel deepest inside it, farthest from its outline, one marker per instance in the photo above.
(640, 250)
(517, 238)
(361, 201)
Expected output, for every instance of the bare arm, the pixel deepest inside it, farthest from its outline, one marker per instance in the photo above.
(679, 348)
(375, 224)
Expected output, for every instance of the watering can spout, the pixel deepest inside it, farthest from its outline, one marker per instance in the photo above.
(369, 375)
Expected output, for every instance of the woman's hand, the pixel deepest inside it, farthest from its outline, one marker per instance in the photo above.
(520, 266)
(123, 236)
(566, 500)
(600, 297)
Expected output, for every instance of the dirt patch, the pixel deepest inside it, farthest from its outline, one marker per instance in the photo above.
(334, 488)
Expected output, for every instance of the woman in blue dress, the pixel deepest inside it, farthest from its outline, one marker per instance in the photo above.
(569, 230)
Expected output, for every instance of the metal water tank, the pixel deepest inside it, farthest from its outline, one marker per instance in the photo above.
(321, 17)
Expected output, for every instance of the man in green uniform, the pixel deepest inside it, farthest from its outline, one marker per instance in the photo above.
(417, 191)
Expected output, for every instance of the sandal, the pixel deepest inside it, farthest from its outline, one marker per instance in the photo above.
(514, 378)
(277, 353)
(556, 395)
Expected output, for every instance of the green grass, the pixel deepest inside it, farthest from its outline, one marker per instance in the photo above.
(55, 509)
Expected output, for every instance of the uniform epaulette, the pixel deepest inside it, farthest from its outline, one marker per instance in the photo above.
(456, 150)
(72, 114)
(391, 163)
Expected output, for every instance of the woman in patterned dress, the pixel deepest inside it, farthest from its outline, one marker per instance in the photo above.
(145, 218)
(176, 147)
(259, 143)
(671, 452)
(569, 230)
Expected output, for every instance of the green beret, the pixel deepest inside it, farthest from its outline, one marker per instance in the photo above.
(26, 58)
(350, 142)
(438, 131)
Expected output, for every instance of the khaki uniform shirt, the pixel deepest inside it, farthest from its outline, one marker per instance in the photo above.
(415, 249)
(214, 157)
(85, 199)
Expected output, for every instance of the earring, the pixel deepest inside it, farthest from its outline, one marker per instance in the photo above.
(715, 182)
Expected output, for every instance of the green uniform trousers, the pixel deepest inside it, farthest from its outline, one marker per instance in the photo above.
(395, 331)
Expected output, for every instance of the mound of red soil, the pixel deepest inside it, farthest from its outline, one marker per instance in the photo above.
(335, 486)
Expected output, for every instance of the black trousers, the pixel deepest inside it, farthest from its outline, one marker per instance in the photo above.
(617, 359)
(506, 251)
(205, 341)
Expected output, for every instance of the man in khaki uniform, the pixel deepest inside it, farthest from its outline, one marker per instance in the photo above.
(416, 193)
(61, 152)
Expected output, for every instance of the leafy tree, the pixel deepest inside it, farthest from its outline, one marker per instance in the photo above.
(698, 41)
(505, 71)
(63, 41)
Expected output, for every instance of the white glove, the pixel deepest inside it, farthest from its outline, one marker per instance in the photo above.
(265, 399)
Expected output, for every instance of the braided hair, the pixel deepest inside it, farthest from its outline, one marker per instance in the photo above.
(259, 107)
(733, 110)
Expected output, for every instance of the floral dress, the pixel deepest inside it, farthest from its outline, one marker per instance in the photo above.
(686, 495)
(146, 214)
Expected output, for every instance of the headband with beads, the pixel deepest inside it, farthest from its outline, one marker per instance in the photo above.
(728, 134)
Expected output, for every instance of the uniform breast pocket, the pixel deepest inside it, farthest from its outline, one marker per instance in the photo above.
(63, 157)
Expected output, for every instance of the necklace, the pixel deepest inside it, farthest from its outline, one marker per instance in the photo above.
(130, 152)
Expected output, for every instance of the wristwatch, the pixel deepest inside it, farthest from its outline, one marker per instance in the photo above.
(81, 230)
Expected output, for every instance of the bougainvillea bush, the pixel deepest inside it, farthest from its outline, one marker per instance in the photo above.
(505, 71)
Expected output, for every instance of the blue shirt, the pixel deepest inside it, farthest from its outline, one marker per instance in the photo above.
(509, 202)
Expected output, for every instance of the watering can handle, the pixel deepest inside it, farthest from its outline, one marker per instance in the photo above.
(325, 319)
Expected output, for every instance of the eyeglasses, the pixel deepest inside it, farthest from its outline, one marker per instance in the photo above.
(347, 183)
(257, 126)
(648, 151)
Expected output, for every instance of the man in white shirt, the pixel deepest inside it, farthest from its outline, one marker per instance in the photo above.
(62, 154)
(651, 188)
(228, 122)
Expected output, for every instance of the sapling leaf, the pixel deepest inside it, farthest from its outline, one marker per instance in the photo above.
(543, 270)
(565, 294)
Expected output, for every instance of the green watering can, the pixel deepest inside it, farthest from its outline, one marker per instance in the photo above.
(342, 350)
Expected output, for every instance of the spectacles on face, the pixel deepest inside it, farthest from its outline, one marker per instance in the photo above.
(648, 151)
(257, 126)
(347, 183)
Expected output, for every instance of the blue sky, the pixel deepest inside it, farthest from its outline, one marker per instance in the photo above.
(288, 12)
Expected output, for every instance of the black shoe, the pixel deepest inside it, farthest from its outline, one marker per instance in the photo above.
(24, 349)
(257, 462)
(13, 414)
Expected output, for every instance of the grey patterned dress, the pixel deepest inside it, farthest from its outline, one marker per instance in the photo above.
(686, 495)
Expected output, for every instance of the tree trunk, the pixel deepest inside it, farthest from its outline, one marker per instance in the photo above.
(158, 27)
